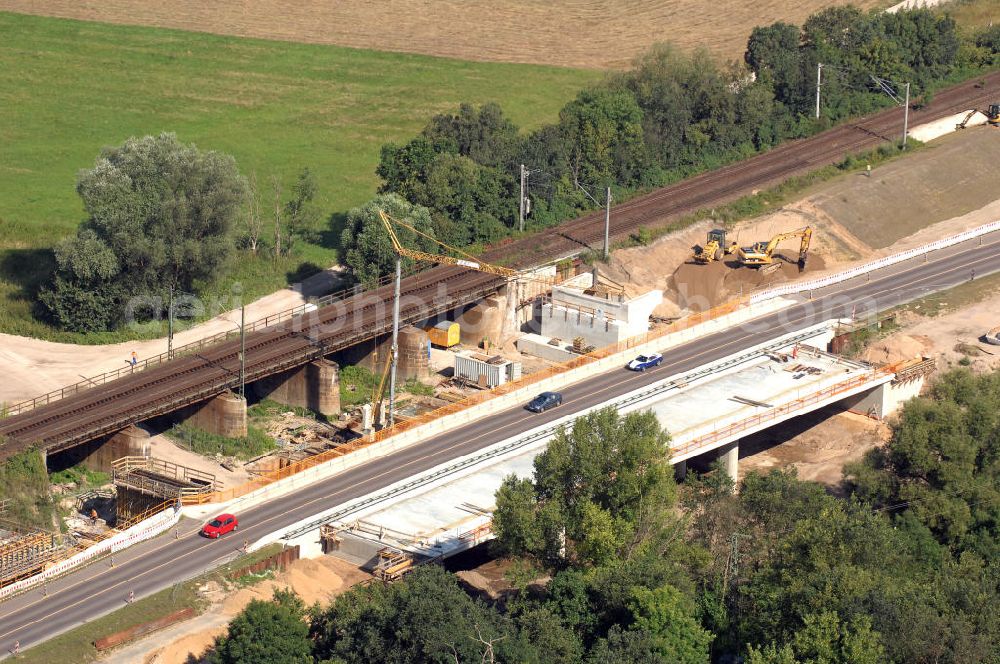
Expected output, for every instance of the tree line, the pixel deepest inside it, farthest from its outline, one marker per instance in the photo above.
(614, 563)
(162, 215)
(671, 115)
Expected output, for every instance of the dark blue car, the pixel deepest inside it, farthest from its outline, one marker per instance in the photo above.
(544, 401)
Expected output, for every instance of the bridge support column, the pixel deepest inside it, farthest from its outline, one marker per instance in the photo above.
(729, 456)
(223, 415)
(681, 471)
(130, 441)
(483, 321)
(315, 386)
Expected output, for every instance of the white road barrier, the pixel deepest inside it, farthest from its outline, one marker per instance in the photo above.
(804, 286)
(141, 531)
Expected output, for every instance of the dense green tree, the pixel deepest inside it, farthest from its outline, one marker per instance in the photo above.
(515, 519)
(426, 619)
(272, 632)
(605, 485)
(774, 55)
(544, 639)
(484, 135)
(668, 616)
(824, 639)
(469, 202)
(365, 243)
(603, 131)
(631, 646)
(462, 168)
(159, 214)
(943, 462)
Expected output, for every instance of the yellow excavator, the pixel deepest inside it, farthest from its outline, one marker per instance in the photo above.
(715, 247)
(992, 116)
(761, 254)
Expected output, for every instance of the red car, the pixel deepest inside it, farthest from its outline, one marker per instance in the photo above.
(220, 525)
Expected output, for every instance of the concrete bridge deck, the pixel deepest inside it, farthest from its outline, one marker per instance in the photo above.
(448, 509)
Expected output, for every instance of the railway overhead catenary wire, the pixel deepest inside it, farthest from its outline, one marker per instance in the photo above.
(110, 407)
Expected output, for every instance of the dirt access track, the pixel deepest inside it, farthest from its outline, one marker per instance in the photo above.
(589, 34)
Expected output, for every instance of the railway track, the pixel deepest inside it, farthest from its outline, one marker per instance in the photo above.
(187, 380)
(726, 184)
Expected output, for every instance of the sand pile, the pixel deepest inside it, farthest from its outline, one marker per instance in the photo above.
(314, 580)
(310, 579)
(897, 348)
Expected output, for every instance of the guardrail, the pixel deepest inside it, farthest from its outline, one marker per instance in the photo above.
(879, 264)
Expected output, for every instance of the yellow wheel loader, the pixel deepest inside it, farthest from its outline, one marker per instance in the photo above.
(715, 247)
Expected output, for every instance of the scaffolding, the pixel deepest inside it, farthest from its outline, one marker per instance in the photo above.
(25, 554)
(914, 369)
(143, 483)
(392, 564)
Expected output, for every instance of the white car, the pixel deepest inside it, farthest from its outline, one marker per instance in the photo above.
(644, 362)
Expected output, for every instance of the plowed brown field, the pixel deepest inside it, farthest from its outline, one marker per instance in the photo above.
(573, 33)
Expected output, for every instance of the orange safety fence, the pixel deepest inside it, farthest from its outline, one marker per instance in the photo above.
(270, 477)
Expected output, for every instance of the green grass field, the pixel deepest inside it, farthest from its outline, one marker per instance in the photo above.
(68, 88)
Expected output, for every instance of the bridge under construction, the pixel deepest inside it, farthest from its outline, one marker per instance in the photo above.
(87, 415)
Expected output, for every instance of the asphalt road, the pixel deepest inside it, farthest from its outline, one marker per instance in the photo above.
(157, 564)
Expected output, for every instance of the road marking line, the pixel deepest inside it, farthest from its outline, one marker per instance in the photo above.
(631, 377)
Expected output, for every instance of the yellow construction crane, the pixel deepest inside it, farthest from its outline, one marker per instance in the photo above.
(379, 385)
(761, 254)
(468, 261)
(715, 247)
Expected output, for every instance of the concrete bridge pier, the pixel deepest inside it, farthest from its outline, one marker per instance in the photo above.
(315, 386)
(729, 456)
(223, 415)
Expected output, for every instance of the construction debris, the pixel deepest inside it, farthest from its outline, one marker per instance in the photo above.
(993, 336)
(750, 402)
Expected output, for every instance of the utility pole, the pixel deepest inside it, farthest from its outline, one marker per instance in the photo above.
(520, 214)
(170, 324)
(395, 344)
(819, 82)
(243, 352)
(906, 114)
(607, 223)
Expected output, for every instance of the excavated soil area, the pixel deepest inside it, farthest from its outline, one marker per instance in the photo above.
(943, 189)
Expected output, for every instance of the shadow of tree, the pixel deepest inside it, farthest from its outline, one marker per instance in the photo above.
(304, 270)
(329, 237)
(27, 270)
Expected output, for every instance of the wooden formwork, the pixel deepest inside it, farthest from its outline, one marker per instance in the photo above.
(23, 554)
(392, 564)
(143, 483)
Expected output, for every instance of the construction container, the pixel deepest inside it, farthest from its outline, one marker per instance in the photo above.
(486, 371)
(445, 334)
